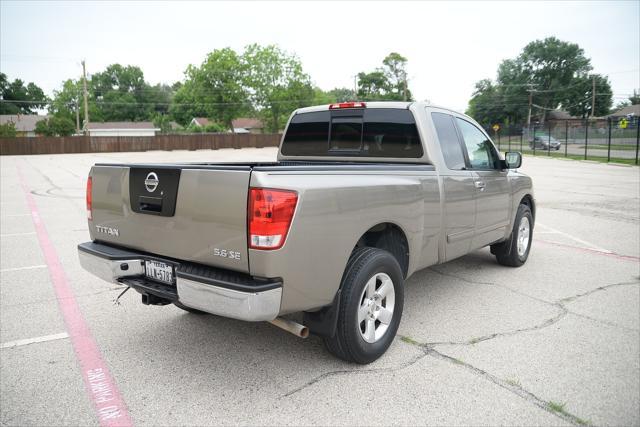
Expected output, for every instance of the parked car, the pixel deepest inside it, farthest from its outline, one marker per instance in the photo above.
(362, 196)
(544, 142)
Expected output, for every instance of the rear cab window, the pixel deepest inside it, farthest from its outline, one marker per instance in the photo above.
(358, 132)
(449, 141)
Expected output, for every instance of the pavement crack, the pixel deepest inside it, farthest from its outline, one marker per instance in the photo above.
(559, 305)
(562, 311)
(598, 289)
(510, 386)
(498, 285)
(330, 374)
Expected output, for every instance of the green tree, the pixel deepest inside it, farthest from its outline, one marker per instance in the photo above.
(372, 86)
(342, 94)
(16, 98)
(215, 89)
(386, 83)
(579, 96)
(8, 129)
(553, 71)
(55, 126)
(276, 83)
(486, 104)
(66, 100)
(395, 69)
(635, 98)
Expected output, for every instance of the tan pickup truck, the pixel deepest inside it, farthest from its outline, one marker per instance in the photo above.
(362, 195)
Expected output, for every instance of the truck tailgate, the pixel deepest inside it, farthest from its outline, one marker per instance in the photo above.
(185, 212)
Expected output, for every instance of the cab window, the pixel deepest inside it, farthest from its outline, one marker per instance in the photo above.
(449, 142)
(480, 150)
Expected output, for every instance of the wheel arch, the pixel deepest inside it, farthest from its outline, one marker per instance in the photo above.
(390, 237)
(527, 199)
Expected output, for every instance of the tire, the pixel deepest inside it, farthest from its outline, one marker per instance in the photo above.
(189, 309)
(373, 290)
(515, 251)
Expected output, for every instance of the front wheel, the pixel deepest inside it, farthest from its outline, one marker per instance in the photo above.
(515, 251)
(371, 305)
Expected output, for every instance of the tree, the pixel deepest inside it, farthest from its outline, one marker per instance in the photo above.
(554, 72)
(579, 96)
(55, 126)
(396, 73)
(388, 83)
(8, 130)
(343, 94)
(486, 104)
(214, 90)
(67, 100)
(16, 98)
(635, 98)
(276, 83)
(372, 86)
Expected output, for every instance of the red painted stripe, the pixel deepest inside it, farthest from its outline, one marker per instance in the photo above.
(592, 251)
(109, 405)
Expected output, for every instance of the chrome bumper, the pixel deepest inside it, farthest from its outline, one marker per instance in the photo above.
(120, 266)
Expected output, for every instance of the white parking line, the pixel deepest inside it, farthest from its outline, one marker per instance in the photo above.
(576, 239)
(18, 343)
(31, 267)
(28, 233)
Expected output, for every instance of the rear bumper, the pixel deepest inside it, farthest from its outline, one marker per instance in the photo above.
(222, 292)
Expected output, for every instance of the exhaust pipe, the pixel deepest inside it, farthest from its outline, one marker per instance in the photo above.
(290, 326)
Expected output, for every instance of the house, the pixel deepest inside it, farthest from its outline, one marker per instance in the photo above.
(25, 123)
(240, 125)
(628, 111)
(122, 129)
(247, 125)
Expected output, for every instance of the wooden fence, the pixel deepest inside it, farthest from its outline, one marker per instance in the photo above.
(104, 144)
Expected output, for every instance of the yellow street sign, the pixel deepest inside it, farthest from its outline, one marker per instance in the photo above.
(623, 123)
(496, 127)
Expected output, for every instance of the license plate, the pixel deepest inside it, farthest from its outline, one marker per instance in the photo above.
(159, 271)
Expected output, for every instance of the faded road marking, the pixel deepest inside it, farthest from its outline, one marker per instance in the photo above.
(19, 343)
(28, 233)
(30, 267)
(100, 385)
(576, 239)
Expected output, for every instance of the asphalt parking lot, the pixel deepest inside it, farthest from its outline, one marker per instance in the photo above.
(556, 342)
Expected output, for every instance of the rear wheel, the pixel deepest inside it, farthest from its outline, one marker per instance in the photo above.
(370, 308)
(189, 309)
(515, 251)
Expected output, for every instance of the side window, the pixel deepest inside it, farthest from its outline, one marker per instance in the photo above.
(449, 142)
(479, 149)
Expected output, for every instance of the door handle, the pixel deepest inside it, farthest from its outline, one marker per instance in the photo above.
(479, 185)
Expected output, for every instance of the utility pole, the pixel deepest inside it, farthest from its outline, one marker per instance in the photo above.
(86, 102)
(593, 96)
(355, 87)
(530, 103)
(404, 90)
(78, 114)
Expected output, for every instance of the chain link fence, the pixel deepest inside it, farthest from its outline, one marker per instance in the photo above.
(613, 139)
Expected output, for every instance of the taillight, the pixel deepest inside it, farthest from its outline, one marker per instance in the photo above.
(89, 198)
(350, 104)
(269, 217)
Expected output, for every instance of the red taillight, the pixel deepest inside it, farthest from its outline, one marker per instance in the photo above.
(269, 217)
(89, 198)
(349, 104)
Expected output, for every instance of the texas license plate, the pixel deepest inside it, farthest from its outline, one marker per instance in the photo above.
(159, 271)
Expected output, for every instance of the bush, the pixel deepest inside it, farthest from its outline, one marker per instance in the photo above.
(8, 129)
(55, 126)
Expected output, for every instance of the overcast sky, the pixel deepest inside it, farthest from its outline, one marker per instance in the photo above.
(449, 45)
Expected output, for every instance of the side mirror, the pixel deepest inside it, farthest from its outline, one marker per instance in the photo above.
(513, 159)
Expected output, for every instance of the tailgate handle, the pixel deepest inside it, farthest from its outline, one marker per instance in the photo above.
(150, 204)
